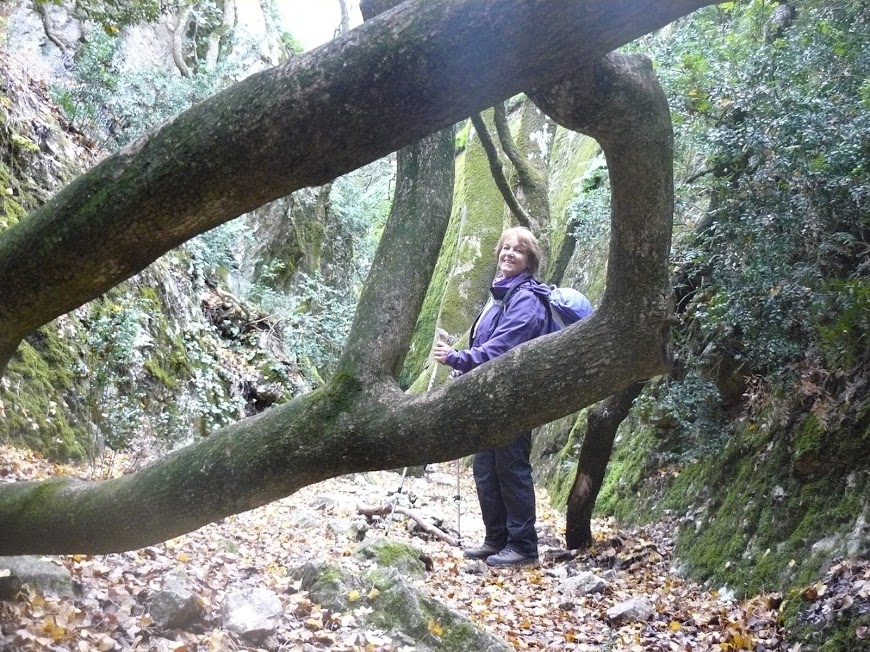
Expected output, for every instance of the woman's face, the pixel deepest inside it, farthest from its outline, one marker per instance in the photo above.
(512, 259)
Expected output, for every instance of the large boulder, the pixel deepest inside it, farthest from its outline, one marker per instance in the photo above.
(397, 607)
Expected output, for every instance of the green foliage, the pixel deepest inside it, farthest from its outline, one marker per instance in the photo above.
(772, 138)
(39, 402)
(315, 320)
(116, 106)
(686, 414)
(776, 115)
(842, 317)
(589, 211)
(114, 14)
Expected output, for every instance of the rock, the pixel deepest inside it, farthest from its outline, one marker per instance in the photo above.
(474, 567)
(632, 610)
(357, 529)
(44, 576)
(828, 544)
(251, 612)
(858, 540)
(305, 519)
(557, 555)
(583, 584)
(326, 584)
(403, 610)
(391, 554)
(397, 607)
(445, 479)
(10, 586)
(175, 605)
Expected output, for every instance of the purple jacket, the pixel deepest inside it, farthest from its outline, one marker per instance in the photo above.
(500, 328)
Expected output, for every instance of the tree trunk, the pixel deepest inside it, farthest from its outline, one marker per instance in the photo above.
(601, 426)
(496, 168)
(619, 102)
(228, 12)
(361, 420)
(417, 68)
(179, 33)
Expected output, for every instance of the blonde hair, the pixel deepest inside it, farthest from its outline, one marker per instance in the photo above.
(528, 241)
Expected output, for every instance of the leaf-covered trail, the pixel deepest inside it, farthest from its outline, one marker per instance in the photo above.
(260, 548)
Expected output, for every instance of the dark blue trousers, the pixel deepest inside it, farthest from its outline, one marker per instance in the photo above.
(506, 494)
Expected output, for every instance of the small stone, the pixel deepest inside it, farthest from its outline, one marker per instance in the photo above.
(175, 605)
(252, 612)
(583, 584)
(637, 609)
(44, 576)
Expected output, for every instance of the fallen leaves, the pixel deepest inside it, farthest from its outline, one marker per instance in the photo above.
(522, 606)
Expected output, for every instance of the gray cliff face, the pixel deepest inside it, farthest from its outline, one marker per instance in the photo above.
(48, 41)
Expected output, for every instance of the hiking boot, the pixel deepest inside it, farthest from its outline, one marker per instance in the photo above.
(480, 553)
(509, 557)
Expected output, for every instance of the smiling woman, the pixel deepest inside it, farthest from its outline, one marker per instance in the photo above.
(514, 314)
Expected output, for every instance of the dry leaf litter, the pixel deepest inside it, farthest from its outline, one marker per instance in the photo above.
(523, 606)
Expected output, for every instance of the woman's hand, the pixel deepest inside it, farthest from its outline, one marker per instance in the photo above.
(440, 351)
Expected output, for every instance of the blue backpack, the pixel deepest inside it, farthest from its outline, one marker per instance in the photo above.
(567, 306)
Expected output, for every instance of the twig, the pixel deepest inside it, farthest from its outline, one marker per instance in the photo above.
(417, 517)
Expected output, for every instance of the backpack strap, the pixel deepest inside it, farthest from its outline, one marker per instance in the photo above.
(551, 317)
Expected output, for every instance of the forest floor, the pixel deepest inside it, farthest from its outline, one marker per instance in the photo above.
(523, 606)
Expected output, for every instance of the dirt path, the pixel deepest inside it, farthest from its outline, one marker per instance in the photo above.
(260, 548)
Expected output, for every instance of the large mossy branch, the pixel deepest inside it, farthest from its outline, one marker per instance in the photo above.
(418, 68)
(360, 422)
(342, 428)
(619, 102)
(350, 426)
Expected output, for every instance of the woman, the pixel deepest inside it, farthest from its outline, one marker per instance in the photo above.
(514, 314)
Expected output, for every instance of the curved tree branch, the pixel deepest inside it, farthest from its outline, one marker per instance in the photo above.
(530, 178)
(48, 28)
(350, 426)
(320, 115)
(628, 115)
(497, 170)
(178, 33)
(347, 426)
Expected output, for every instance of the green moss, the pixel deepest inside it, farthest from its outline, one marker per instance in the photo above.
(40, 382)
(24, 144)
(391, 554)
(810, 438)
(629, 466)
(462, 275)
(418, 356)
(153, 367)
(462, 136)
(555, 450)
(570, 157)
(748, 521)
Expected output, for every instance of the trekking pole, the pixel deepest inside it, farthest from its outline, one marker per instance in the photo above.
(458, 499)
(396, 499)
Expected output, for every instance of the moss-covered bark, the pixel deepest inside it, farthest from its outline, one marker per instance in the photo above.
(361, 420)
